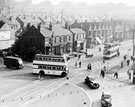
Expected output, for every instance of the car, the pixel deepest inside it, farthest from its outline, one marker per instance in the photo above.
(91, 84)
(106, 99)
(89, 55)
(14, 62)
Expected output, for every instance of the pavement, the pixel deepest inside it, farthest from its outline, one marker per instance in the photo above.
(68, 95)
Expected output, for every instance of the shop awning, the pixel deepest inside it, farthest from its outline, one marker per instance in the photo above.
(98, 40)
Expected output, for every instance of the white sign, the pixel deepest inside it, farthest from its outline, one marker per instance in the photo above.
(4, 35)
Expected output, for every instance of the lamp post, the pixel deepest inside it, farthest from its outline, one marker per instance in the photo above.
(133, 41)
(52, 51)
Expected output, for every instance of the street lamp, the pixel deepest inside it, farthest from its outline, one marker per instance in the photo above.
(133, 41)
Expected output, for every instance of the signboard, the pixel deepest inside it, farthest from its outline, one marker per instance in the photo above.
(4, 35)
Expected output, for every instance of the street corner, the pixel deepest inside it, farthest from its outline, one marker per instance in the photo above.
(68, 95)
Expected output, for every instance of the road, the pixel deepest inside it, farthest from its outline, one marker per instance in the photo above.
(34, 88)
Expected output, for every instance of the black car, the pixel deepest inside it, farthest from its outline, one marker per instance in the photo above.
(91, 84)
(106, 99)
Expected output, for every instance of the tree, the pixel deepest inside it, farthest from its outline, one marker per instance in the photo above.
(24, 50)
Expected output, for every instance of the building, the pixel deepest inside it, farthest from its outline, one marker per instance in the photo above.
(24, 20)
(6, 39)
(58, 39)
(79, 39)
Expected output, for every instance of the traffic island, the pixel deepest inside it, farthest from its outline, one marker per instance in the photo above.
(68, 95)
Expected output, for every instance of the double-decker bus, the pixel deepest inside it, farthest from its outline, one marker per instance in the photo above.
(110, 50)
(50, 64)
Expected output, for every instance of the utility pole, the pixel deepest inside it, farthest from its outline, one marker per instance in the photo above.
(133, 41)
(52, 44)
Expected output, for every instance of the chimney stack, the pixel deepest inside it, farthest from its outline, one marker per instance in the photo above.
(50, 26)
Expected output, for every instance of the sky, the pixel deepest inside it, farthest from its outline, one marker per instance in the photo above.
(128, 2)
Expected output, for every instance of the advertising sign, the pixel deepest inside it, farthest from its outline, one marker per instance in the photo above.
(4, 35)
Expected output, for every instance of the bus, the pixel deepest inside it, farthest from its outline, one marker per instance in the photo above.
(110, 50)
(50, 65)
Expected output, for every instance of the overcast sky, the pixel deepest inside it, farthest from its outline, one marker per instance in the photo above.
(128, 2)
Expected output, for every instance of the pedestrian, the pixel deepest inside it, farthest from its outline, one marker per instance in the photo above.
(75, 64)
(103, 60)
(121, 64)
(102, 74)
(79, 56)
(89, 67)
(105, 68)
(80, 64)
(128, 61)
(129, 74)
(116, 75)
(131, 58)
(125, 57)
(118, 53)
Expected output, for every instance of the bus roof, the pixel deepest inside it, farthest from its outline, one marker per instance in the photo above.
(11, 57)
(54, 56)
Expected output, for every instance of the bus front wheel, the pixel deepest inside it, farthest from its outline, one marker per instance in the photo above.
(41, 73)
(63, 74)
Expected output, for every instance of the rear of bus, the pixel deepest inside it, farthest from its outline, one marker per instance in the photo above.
(50, 65)
(110, 50)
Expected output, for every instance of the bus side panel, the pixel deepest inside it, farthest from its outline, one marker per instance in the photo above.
(49, 72)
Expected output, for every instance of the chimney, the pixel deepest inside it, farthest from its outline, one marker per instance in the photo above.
(76, 20)
(10, 18)
(28, 25)
(50, 26)
(39, 26)
(66, 25)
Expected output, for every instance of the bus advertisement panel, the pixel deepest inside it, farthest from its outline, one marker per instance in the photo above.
(50, 64)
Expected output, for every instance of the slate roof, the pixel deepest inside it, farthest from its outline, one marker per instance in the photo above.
(57, 30)
(30, 20)
(1, 24)
(10, 22)
(77, 30)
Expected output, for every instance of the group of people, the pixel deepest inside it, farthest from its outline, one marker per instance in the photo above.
(79, 63)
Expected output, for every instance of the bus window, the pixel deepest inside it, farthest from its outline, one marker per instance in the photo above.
(44, 58)
(40, 66)
(40, 58)
(63, 60)
(52, 59)
(44, 67)
(56, 60)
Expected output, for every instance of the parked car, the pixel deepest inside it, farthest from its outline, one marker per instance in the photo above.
(14, 62)
(106, 99)
(91, 84)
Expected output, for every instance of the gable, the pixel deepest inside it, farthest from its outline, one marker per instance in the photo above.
(4, 26)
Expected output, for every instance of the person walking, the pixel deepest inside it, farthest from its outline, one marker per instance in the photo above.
(129, 74)
(79, 56)
(116, 75)
(121, 64)
(80, 64)
(128, 61)
(102, 74)
(89, 67)
(103, 60)
(75, 64)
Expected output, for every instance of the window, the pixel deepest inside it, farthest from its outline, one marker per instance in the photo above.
(59, 39)
(69, 38)
(55, 40)
(40, 66)
(65, 38)
(76, 36)
(40, 58)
